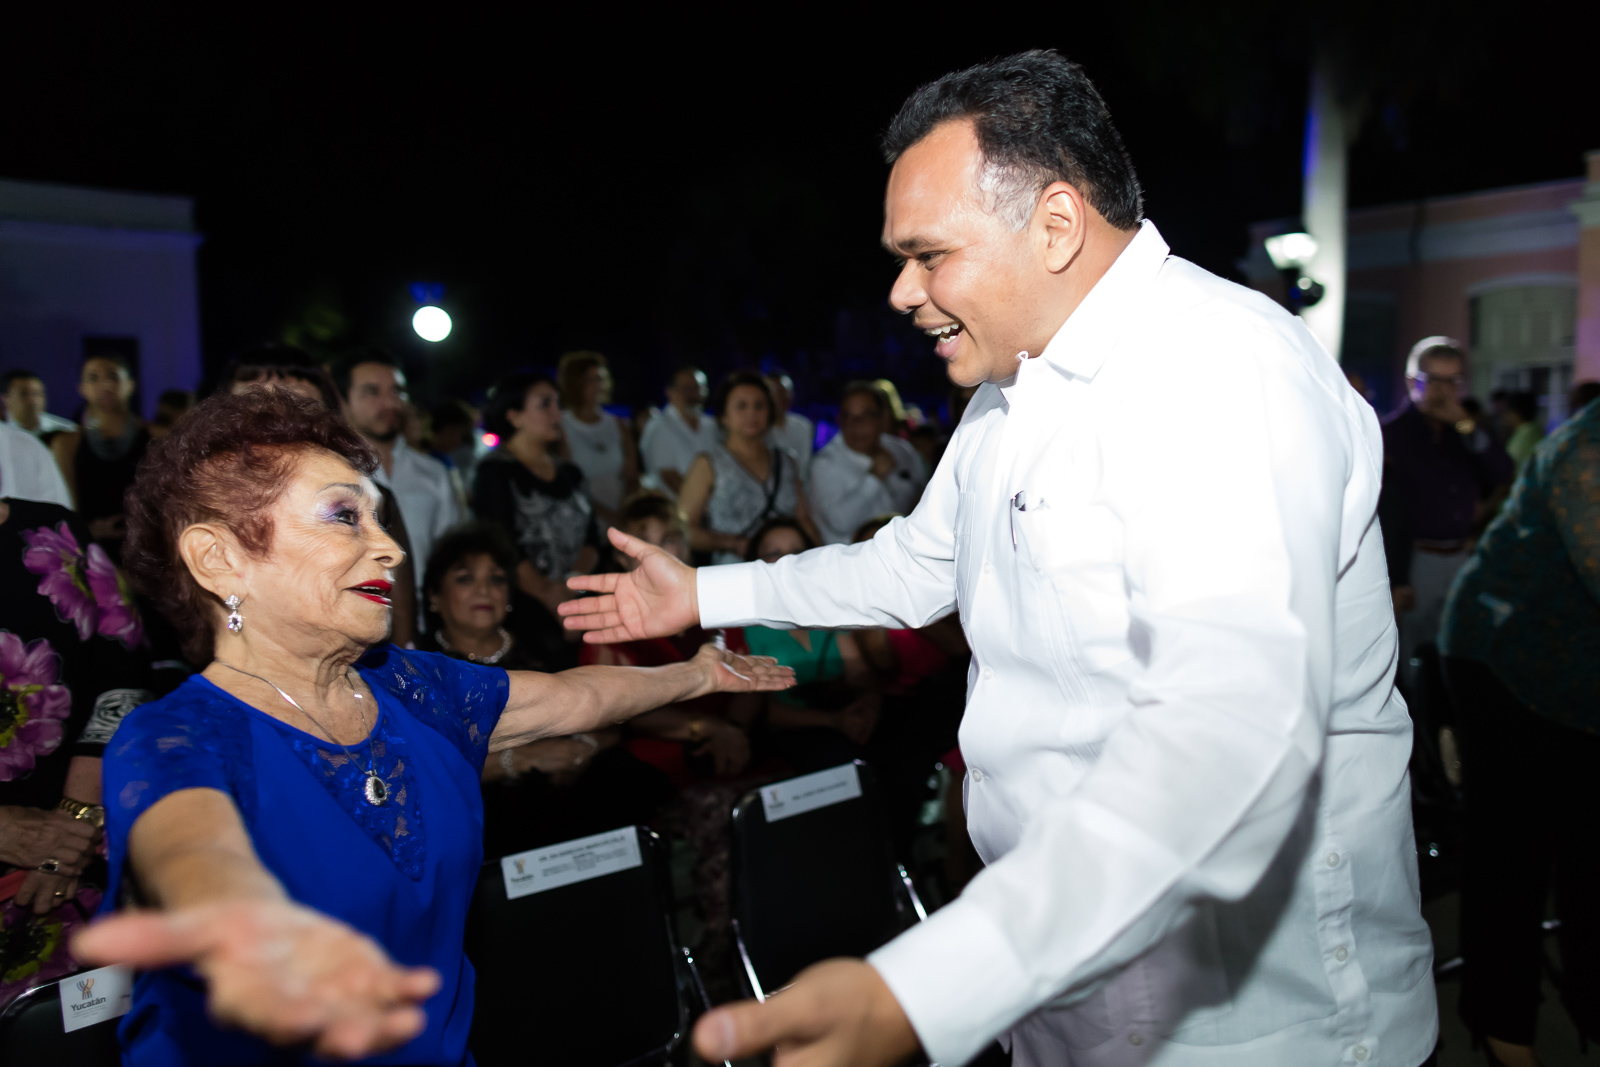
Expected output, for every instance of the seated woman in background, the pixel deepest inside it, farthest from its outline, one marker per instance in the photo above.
(832, 711)
(549, 790)
(736, 486)
(598, 442)
(538, 499)
(306, 811)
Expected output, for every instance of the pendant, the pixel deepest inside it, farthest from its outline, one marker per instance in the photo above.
(377, 790)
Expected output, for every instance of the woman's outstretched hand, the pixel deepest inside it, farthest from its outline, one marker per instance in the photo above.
(278, 970)
(729, 672)
(655, 599)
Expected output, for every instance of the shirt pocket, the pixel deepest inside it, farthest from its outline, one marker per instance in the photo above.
(1074, 587)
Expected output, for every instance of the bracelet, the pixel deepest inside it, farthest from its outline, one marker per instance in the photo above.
(508, 763)
(697, 730)
(94, 813)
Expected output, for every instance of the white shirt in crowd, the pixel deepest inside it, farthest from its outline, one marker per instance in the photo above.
(427, 499)
(798, 434)
(596, 449)
(27, 469)
(1187, 763)
(669, 444)
(48, 423)
(845, 493)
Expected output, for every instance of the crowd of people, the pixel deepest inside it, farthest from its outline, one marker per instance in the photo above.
(493, 507)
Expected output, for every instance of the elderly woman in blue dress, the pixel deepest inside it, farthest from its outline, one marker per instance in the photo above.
(297, 829)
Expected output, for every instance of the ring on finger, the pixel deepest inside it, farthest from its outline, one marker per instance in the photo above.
(50, 866)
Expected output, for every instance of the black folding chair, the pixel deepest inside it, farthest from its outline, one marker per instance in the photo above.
(816, 883)
(31, 1033)
(588, 973)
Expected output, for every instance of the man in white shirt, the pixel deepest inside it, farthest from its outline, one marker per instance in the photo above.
(25, 404)
(375, 399)
(1186, 757)
(27, 469)
(789, 430)
(679, 432)
(863, 473)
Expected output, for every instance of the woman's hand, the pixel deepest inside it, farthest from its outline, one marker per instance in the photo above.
(31, 837)
(729, 672)
(278, 970)
(45, 891)
(727, 746)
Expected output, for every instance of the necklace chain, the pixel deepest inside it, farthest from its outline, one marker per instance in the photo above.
(376, 790)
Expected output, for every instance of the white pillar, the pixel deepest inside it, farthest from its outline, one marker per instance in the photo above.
(1326, 168)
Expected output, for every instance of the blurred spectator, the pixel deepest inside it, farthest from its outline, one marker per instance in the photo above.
(1441, 470)
(895, 420)
(863, 471)
(171, 407)
(278, 366)
(70, 669)
(99, 463)
(548, 790)
(25, 406)
(1583, 394)
(1521, 640)
(671, 439)
(960, 397)
(928, 441)
(1521, 419)
(732, 489)
(455, 438)
(374, 390)
(790, 430)
(535, 497)
(27, 471)
(599, 443)
(830, 714)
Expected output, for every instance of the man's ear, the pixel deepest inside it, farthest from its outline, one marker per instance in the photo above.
(1062, 224)
(214, 558)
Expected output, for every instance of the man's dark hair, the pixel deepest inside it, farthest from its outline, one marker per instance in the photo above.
(342, 369)
(1525, 404)
(11, 377)
(1039, 119)
(272, 360)
(862, 387)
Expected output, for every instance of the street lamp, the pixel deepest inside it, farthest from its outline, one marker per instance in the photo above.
(1290, 252)
(431, 322)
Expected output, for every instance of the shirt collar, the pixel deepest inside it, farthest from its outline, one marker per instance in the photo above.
(1090, 332)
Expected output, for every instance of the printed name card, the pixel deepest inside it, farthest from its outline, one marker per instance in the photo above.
(578, 860)
(95, 996)
(810, 792)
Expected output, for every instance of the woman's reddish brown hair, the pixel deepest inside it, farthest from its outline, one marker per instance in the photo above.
(227, 463)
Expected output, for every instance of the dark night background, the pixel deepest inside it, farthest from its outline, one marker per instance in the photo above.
(707, 188)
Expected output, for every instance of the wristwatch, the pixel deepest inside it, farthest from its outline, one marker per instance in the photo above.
(1466, 425)
(508, 763)
(93, 813)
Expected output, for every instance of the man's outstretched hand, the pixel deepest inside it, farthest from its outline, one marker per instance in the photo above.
(838, 1013)
(655, 599)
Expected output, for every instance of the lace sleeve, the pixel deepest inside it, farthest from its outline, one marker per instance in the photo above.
(461, 700)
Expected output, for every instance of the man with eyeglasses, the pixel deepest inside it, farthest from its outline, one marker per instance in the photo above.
(1440, 469)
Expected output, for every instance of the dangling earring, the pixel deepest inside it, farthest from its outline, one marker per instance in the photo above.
(235, 620)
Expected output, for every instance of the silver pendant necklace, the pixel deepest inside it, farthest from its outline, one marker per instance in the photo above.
(377, 790)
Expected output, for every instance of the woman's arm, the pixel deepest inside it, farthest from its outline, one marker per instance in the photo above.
(697, 487)
(272, 967)
(588, 698)
(802, 509)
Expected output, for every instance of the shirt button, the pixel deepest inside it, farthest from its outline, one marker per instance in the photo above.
(1361, 1053)
(987, 672)
(1135, 1040)
(1333, 859)
(988, 568)
(1341, 954)
(977, 775)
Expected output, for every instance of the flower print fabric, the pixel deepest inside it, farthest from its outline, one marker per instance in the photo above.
(119, 619)
(54, 555)
(33, 704)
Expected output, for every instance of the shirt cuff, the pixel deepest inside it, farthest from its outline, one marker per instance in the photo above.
(958, 981)
(727, 594)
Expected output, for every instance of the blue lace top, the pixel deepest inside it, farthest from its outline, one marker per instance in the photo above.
(402, 871)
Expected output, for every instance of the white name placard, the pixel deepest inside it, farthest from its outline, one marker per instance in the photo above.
(810, 792)
(95, 996)
(578, 860)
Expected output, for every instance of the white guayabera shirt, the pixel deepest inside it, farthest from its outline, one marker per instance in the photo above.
(1186, 757)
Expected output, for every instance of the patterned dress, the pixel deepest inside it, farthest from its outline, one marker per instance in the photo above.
(739, 503)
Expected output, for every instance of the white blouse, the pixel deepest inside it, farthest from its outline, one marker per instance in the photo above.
(596, 449)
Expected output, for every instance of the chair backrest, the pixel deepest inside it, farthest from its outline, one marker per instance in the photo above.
(811, 882)
(31, 1032)
(583, 965)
